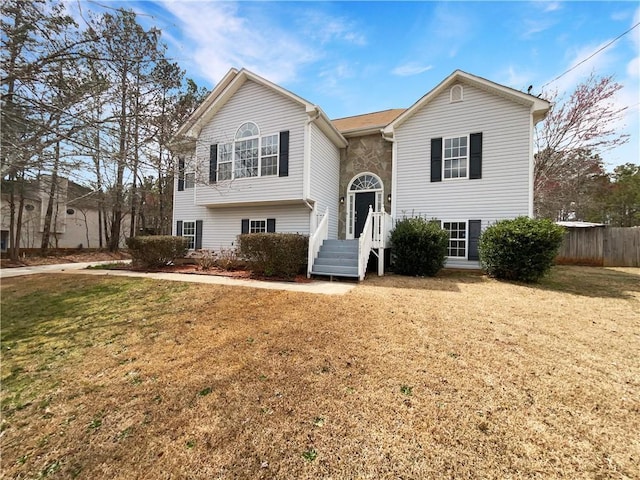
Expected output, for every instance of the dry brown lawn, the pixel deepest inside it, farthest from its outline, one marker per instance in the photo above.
(454, 377)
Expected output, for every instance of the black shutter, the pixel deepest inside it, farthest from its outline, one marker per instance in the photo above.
(245, 225)
(179, 228)
(198, 234)
(180, 175)
(475, 227)
(213, 162)
(283, 170)
(436, 159)
(475, 156)
(271, 225)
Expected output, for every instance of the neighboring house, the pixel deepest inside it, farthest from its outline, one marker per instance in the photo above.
(74, 220)
(255, 157)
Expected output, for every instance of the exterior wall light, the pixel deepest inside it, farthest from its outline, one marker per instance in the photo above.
(341, 200)
(389, 198)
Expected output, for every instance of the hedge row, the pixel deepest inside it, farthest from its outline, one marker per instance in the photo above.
(274, 254)
(156, 250)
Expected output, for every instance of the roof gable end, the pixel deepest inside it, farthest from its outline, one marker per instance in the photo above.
(228, 86)
(539, 107)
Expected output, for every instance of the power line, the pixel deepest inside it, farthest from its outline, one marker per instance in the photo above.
(591, 56)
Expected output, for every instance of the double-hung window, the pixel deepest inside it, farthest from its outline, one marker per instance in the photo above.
(269, 155)
(189, 232)
(455, 157)
(225, 161)
(189, 180)
(457, 238)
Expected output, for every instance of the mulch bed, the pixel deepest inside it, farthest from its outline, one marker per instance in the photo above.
(191, 269)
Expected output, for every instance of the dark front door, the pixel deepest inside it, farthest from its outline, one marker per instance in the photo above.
(363, 200)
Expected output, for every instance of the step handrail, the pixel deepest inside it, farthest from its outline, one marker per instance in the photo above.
(365, 243)
(316, 239)
(382, 226)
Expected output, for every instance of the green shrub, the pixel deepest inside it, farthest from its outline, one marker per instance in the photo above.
(157, 250)
(274, 254)
(419, 247)
(520, 249)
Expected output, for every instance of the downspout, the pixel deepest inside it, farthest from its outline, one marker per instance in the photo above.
(532, 127)
(394, 165)
(314, 114)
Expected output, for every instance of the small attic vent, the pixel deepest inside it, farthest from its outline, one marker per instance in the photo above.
(70, 211)
(29, 208)
(456, 93)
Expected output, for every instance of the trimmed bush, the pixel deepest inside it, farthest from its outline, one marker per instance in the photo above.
(520, 249)
(274, 254)
(419, 247)
(156, 250)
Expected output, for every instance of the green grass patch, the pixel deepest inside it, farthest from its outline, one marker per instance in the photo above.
(49, 321)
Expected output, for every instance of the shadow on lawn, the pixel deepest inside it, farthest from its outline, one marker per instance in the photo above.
(595, 282)
(445, 280)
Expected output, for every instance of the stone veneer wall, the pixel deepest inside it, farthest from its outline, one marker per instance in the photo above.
(369, 153)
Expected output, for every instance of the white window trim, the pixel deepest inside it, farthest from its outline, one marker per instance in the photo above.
(466, 238)
(186, 174)
(251, 220)
(260, 138)
(444, 139)
(184, 224)
(454, 88)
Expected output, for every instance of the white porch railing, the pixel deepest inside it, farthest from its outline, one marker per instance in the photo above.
(316, 239)
(382, 226)
(365, 245)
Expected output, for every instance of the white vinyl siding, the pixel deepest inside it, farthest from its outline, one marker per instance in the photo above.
(221, 226)
(325, 177)
(503, 190)
(272, 113)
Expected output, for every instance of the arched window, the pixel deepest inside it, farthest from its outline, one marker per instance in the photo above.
(250, 154)
(366, 181)
(456, 94)
(247, 150)
(247, 130)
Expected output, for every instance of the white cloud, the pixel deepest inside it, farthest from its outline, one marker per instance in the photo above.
(327, 28)
(600, 63)
(515, 79)
(551, 6)
(605, 63)
(218, 36)
(633, 67)
(410, 68)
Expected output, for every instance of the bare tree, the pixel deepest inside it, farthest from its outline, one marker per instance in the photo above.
(584, 122)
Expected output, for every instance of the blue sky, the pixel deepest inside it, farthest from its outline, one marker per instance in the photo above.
(358, 57)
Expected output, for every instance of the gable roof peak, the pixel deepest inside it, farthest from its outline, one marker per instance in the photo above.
(539, 107)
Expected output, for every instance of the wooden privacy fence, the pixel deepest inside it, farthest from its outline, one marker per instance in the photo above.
(601, 246)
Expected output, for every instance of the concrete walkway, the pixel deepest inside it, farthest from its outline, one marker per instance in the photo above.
(315, 286)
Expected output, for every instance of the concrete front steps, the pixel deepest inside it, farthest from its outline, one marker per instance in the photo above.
(337, 258)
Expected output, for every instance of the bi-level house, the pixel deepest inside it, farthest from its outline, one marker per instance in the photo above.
(255, 157)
